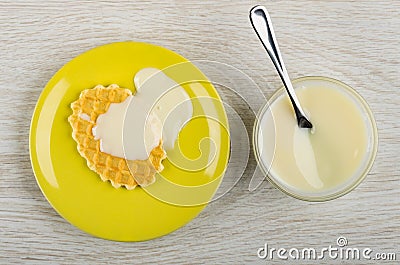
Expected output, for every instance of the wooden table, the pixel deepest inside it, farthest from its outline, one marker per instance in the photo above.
(357, 42)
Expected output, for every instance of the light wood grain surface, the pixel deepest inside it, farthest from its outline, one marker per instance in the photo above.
(357, 42)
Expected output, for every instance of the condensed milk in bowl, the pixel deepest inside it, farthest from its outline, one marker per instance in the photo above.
(324, 162)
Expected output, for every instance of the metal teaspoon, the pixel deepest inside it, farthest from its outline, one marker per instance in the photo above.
(262, 25)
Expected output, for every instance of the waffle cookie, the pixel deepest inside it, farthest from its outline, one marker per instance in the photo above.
(119, 171)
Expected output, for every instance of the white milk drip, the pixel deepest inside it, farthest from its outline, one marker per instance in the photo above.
(159, 109)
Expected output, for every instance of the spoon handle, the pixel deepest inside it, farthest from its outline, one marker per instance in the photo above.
(262, 25)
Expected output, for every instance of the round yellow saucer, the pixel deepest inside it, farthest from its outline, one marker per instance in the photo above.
(79, 195)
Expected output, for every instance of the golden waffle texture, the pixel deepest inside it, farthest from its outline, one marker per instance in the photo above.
(119, 171)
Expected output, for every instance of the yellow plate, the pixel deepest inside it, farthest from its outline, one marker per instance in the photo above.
(79, 195)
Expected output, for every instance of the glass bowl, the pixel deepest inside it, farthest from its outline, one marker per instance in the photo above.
(351, 181)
